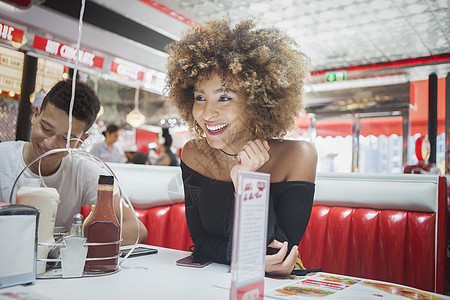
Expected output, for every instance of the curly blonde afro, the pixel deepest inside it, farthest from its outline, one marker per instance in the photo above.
(264, 62)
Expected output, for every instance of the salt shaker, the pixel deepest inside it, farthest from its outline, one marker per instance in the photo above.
(77, 226)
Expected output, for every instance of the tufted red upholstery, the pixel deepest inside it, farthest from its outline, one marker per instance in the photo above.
(157, 220)
(391, 236)
(393, 246)
(363, 241)
(166, 226)
(177, 232)
(391, 228)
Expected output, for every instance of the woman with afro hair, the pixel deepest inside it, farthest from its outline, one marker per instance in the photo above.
(239, 88)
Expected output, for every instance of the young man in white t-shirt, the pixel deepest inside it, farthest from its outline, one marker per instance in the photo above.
(75, 178)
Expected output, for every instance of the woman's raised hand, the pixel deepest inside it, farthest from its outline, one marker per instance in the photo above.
(251, 157)
(276, 264)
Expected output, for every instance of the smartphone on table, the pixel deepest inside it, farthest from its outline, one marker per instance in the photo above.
(189, 261)
(138, 251)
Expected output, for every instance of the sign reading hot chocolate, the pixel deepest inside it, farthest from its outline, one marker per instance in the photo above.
(11, 33)
(67, 52)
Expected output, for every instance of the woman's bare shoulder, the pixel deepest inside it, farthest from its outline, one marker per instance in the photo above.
(190, 151)
(197, 155)
(293, 160)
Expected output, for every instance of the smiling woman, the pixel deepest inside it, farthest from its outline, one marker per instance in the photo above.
(210, 100)
(239, 89)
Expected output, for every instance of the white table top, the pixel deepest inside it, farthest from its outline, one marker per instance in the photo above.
(156, 276)
(161, 280)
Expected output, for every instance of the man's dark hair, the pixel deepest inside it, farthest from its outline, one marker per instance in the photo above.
(112, 128)
(86, 104)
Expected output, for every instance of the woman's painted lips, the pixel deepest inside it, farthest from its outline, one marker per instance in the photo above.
(216, 128)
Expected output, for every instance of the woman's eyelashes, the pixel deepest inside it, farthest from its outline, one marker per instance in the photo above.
(225, 98)
(220, 99)
(199, 98)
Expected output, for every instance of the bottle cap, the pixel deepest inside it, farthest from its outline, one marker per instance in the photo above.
(104, 179)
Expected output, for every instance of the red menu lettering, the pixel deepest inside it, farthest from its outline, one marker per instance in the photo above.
(11, 33)
(67, 52)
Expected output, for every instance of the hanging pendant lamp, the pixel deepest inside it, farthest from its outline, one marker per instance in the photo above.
(135, 118)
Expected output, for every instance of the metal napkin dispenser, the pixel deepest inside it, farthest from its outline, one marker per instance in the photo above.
(18, 239)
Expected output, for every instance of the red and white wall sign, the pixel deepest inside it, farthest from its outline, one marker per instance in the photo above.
(67, 52)
(127, 69)
(11, 33)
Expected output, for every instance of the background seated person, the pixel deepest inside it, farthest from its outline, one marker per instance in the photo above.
(74, 178)
(108, 150)
(134, 157)
(240, 92)
(140, 158)
(166, 156)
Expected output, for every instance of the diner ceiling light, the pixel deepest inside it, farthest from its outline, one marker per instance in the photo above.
(135, 118)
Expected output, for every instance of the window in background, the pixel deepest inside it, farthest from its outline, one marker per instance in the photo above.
(334, 154)
(381, 144)
(334, 145)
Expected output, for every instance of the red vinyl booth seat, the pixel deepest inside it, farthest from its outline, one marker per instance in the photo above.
(166, 226)
(385, 227)
(388, 245)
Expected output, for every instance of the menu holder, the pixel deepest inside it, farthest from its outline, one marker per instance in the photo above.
(249, 236)
(19, 237)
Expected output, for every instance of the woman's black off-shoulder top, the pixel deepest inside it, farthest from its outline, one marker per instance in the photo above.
(210, 207)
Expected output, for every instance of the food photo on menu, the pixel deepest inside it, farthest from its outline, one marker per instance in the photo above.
(319, 285)
(341, 287)
(402, 291)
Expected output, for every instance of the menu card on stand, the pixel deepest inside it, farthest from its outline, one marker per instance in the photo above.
(249, 236)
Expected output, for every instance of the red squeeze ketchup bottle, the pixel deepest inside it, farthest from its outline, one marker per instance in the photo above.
(103, 227)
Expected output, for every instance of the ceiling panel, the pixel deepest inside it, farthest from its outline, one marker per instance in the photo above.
(338, 34)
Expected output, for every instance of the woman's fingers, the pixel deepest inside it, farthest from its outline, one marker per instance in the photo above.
(277, 265)
(261, 149)
(253, 155)
(266, 145)
(243, 157)
(275, 244)
(278, 258)
(257, 147)
(289, 262)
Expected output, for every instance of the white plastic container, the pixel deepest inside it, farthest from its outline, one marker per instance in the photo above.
(46, 200)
